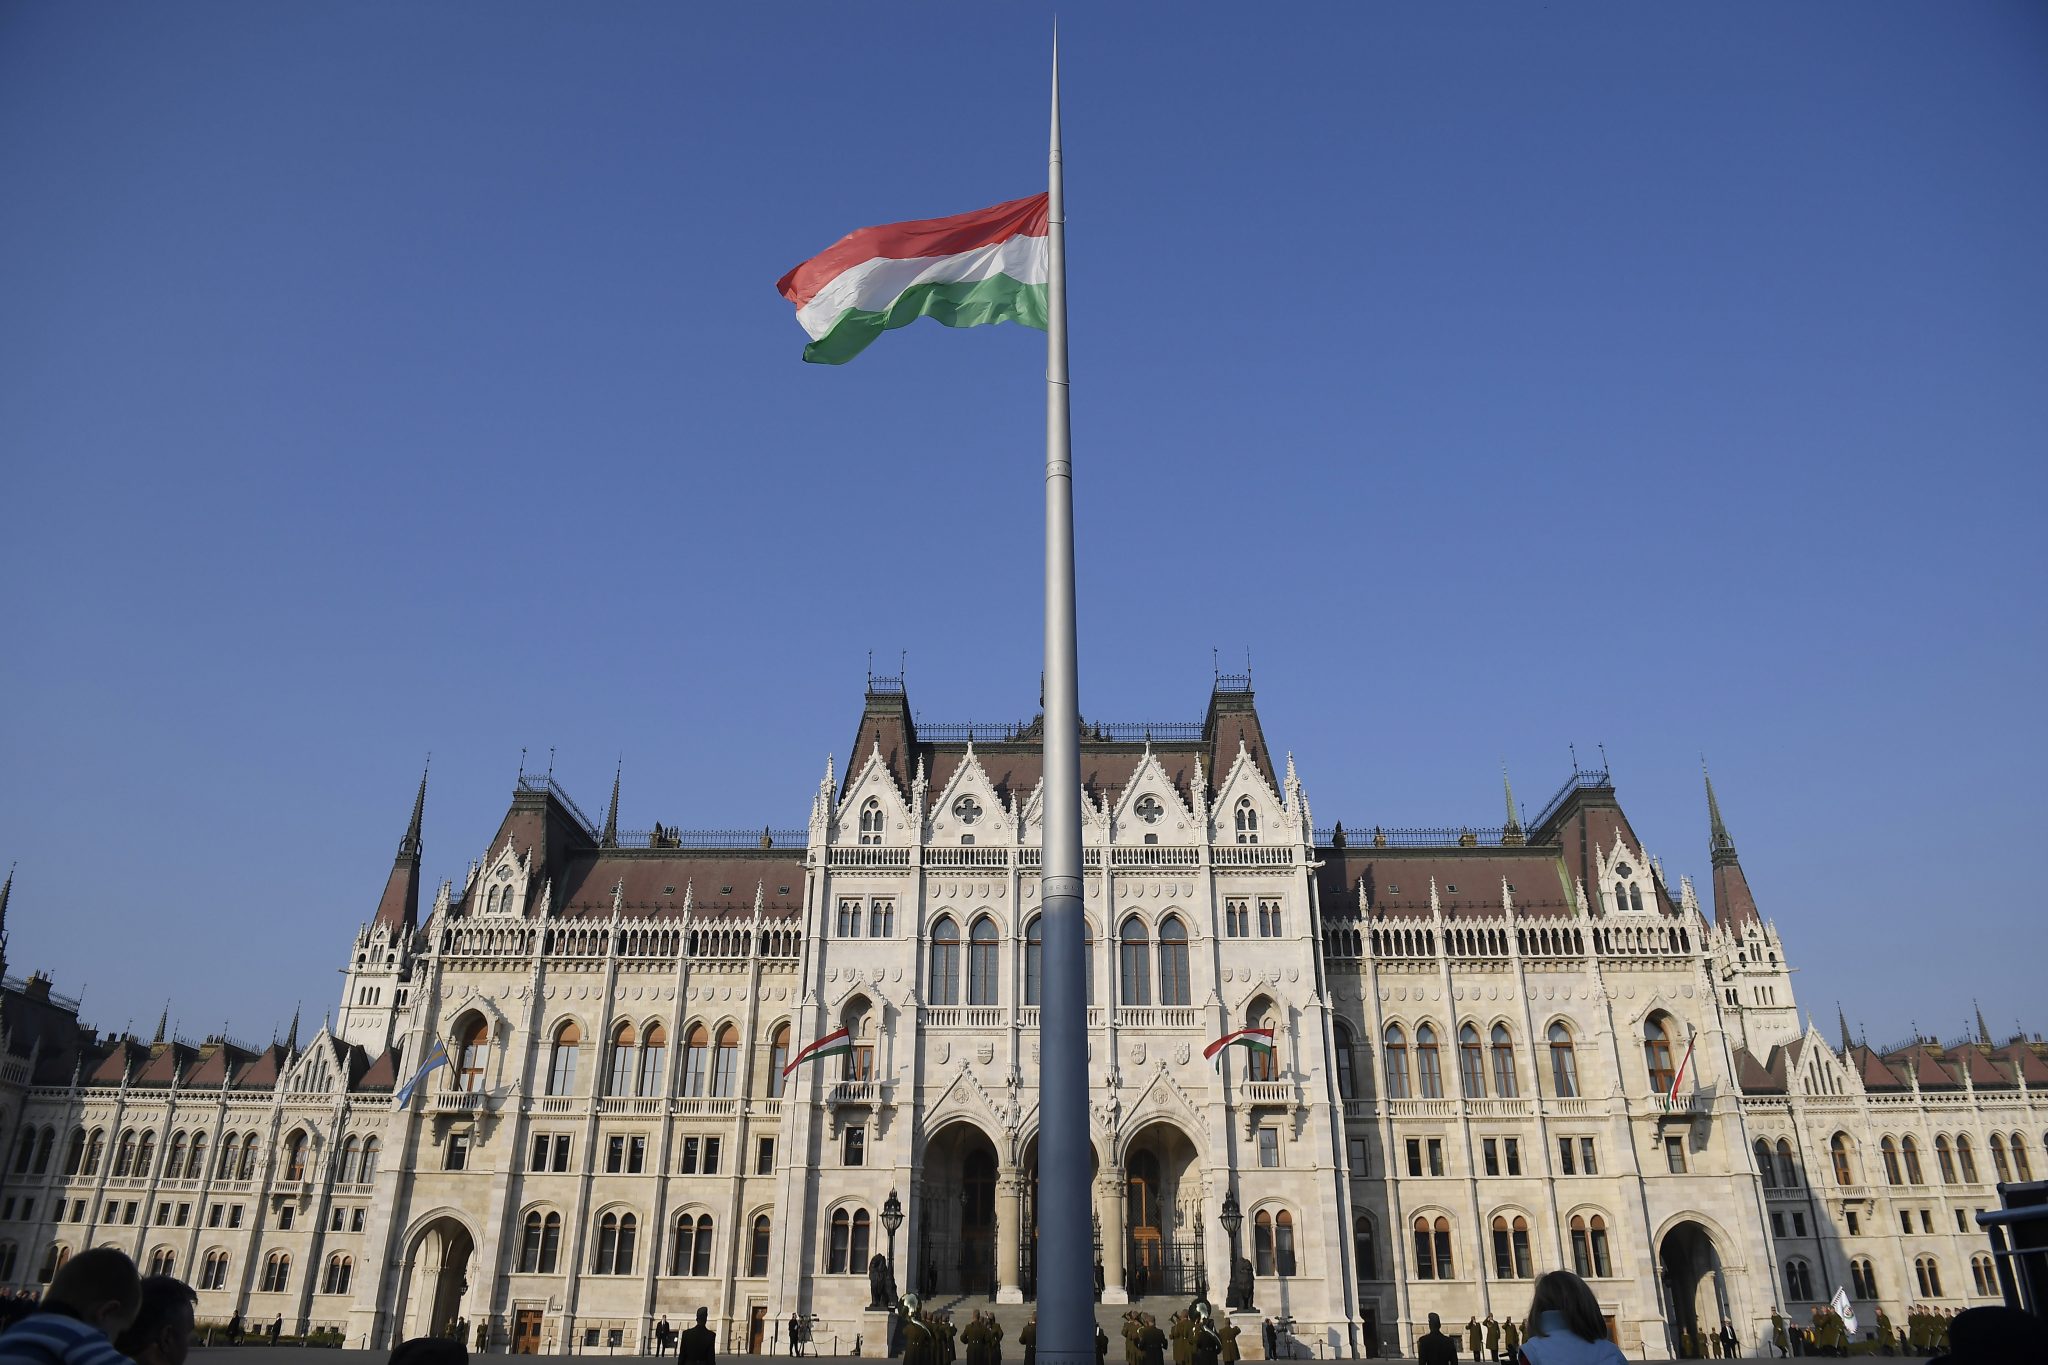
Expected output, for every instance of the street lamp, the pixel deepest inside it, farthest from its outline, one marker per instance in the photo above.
(1232, 1217)
(892, 1219)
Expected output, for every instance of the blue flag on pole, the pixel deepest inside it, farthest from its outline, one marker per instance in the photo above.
(437, 1055)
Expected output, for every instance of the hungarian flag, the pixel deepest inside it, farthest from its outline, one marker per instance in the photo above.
(437, 1056)
(1678, 1076)
(1251, 1039)
(973, 268)
(831, 1045)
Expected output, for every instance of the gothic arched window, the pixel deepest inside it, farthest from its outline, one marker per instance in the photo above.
(1504, 1063)
(725, 1063)
(944, 986)
(1134, 956)
(1397, 1062)
(1657, 1052)
(568, 1046)
(625, 1058)
(1247, 821)
(871, 822)
(1471, 1063)
(1429, 1068)
(1564, 1066)
(1788, 1168)
(1173, 963)
(653, 1060)
(984, 953)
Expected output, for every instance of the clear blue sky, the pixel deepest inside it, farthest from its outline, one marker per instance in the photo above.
(377, 379)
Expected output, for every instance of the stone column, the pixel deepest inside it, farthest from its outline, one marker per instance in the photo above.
(1109, 1207)
(1009, 1237)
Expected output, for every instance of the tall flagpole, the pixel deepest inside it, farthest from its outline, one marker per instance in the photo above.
(1065, 1258)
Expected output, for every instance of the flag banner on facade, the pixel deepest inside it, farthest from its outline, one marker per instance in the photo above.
(437, 1055)
(1844, 1309)
(1251, 1039)
(968, 270)
(1678, 1076)
(837, 1044)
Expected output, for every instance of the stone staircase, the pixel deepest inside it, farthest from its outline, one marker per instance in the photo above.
(1109, 1316)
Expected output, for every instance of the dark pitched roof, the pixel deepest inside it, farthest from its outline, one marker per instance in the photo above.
(656, 880)
(1757, 1078)
(380, 1075)
(263, 1069)
(1468, 880)
(2027, 1060)
(1875, 1073)
(1984, 1073)
(123, 1058)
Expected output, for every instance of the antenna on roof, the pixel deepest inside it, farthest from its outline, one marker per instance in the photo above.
(1575, 754)
(551, 763)
(1216, 660)
(1604, 765)
(522, 763)
(902, 663)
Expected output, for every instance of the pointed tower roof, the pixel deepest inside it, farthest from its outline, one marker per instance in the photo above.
(1734, 907)
(1843, 1020)
(6, 891)
(1983, 1029)
(291, 1039)
(400, 907)
(610, 837)
(1511, 833)
(163, 1023)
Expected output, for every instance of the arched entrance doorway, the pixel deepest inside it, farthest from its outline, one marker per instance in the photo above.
(956, 1246)
(1028, 1249)
(1695, 1295)
(1163, 1214)
(436, 1279)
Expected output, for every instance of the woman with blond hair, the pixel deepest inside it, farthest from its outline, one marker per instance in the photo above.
(1565, 1326)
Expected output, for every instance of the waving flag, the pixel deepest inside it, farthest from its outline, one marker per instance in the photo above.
(437, 1055)
(1844, 1310)
(1678, 1076)
(1250, 1039)
(831, 1045)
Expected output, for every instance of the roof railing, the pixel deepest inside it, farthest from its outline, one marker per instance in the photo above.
(1582, 779)
(764, 837)
(546, 783)
(1010, 732)
(1444, 836)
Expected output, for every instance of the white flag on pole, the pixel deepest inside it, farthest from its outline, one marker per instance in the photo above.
(1844, 1310)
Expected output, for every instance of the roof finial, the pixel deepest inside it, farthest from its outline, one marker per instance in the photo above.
(1512, 832)
(163, 1021)
(291, 1039)
(522, 764)
(1983, 1029)
(610, 838)
(1843, 1020)
(551, 763)
(6, 891)
(1723, 846)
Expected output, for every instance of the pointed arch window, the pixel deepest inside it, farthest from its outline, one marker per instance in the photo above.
(540, 1243)
(1511, 1248)
(690, 1244)
(757, 1246)
(1890, 1150)
(1589, 1247)
(654, 1060)
(1429, 1066)
(1034, 961)
(1788, 1167)
(1433, 1249)
(1944, 1159)
(74, 1155)
(339, 1270)
(696, 1060)
(277, 1273)
(1174, 983)
(145, 1152)
(1396, 1043)
(195, 1162)
(162, 1261)
(1998, 1162)
(1657, 1053)
(1471, 1063)
(369, 1170)
(625, 1059)
(1564, 1064)
(1635, 898)
(1347, 1082)
(1247, 821)
(248, 1168)
(1910, 1151)
(871, 821)
(725, 1063)
(351, 1158)
(568, 1046)
(213, 1273)
(1763, 1164)
(944, 985)
(471, 1052)
(124, 1155)
(1504, 1063)
(984, 954)
(2019, 1158)
(174, 1160)
(1262, 1243)
(1966, 1159)
(1838, 1154)
(1259, 1061)
(295, 1158)
(1134, 955)
(1862, 1278)
(778, 1058)
(1365, 1249)
(95, 1151)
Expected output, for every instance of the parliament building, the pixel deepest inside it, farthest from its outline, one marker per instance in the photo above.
(1496, 1051)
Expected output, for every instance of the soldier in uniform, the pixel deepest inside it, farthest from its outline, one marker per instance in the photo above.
(1492, 1338)
(992, 1341)
(1778, 1337)
(1202, 1337)
(1472, 1338)
(1511, 1338)
(1130, 1338)
(1151, 1341)
(1226, 1335)
(1183, 1344)
(1029, 1339)
(1101, 1345)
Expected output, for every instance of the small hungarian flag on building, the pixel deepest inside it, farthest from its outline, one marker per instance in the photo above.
(1678, 1076)
(831, 1045)
(987, 266)
(1251, 1039)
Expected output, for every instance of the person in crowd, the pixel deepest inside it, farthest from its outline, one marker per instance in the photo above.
(1510, 1338)
(1565, 1325)
(1433, 1347)
(1101, 1345)
(1994, 1333)
(1151, 1341)
(162, 1331)
(1227, 1332)
(276, 1329)
(1472, 1337)
(1492, 1338)
(92, 1299)
(1028, 1339)
(1779, 1340)
(698, 1345)
(429, 1351)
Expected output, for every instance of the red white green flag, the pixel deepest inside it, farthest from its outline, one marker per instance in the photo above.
(837, 1044)
(1250, 1039)
(968, 270)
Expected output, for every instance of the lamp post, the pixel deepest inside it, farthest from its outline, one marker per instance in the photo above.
(1232, 1218)
(892, 1219)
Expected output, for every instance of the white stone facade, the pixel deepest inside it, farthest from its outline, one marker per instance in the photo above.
(570, 1207)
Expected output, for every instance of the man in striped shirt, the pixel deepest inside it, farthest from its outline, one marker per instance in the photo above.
(92, 1299)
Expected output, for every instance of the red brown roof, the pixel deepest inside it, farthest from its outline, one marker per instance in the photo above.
(1468, 880)
(1755, 1077)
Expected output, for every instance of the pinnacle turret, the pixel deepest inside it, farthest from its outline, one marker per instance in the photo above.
(410, 844)
(1511, 833)
(1734, 906)
(6, 891)
(400, 907)
(1983, 1029)
(1843, 1020)
(291, 1039)
(163, 1023)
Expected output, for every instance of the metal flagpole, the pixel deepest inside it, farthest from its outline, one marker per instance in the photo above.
(1065, 1258)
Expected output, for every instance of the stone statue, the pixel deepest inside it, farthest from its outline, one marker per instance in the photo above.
(1240, 1300)
(881, 1284)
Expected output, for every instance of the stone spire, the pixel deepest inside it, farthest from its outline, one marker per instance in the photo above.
(291, 1038)
(1843, 1020)
(163, 1023)
(1734, 907)
(610, 837)
(1983, 1029)
(6, 891)
(1511, 834)
(400, 907)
